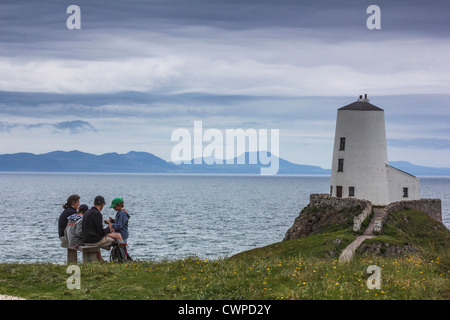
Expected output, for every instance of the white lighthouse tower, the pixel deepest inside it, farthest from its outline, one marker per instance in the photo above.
(360, 166)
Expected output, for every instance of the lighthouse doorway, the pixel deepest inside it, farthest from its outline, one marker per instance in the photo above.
(339, 191)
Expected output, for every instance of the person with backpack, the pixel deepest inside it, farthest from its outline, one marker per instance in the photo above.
(93, 232)
(70, 208)
(74, 231)
(119, 251)
(120, 223)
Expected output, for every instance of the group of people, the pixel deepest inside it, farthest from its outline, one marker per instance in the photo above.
(79, 225)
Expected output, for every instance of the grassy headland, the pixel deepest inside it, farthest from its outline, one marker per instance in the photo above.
(305, 268)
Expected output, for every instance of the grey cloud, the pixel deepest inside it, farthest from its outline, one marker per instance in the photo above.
(73, 127)
(406, 110)
(231, 14)
(40, 25)
(229, 61)
(6, 127)
(254, 47)
(154, 105)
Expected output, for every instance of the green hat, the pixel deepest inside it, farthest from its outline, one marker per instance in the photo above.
(116, 201)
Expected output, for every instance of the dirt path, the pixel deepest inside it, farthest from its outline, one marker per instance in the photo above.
(349, 251)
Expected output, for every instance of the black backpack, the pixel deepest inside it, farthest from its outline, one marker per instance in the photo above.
(119, 252)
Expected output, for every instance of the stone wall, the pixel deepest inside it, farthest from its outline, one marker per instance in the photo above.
(357, 221)
(324, 199)
(320, 199)
(431, 207)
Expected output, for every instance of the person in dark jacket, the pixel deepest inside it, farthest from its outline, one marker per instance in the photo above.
(74, 231)
(93, 232)
(70, 208)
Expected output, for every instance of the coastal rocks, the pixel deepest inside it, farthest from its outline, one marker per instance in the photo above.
(325, 213)
(405, 229)
(385, 249)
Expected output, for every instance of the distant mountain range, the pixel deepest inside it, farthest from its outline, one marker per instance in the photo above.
(143, 162)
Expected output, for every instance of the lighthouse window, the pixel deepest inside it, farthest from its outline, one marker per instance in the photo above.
(342, 144)
(405, 192)
(351, 191)
(341, 165)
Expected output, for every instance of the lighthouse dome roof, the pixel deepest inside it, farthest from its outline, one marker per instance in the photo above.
(361, 105)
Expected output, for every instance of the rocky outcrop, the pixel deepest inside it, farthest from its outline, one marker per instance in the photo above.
(386, 249)
(325, 213)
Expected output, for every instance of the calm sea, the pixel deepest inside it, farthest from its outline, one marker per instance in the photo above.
(172, 216)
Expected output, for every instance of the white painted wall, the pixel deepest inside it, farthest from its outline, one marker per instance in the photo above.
(397, 181)
(365, 158)
(365, 155)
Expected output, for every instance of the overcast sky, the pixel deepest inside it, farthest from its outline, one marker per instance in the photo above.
(138, 70)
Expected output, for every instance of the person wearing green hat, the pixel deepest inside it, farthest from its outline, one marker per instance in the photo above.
(120, 223)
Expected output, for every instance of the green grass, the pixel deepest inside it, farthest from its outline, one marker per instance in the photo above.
(415, 228)
(327, 245)
(305, 268)
(269, 278)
